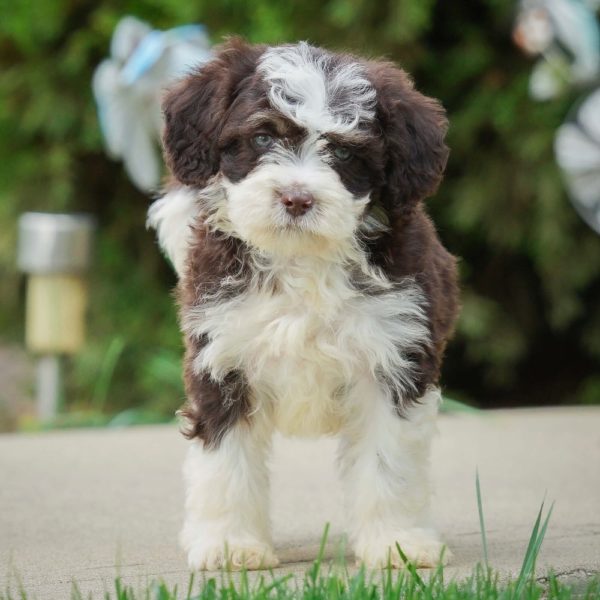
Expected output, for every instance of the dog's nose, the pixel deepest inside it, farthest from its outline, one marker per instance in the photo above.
(297, 202)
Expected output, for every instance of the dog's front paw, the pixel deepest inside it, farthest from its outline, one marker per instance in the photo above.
(233, 555)
(420, 546)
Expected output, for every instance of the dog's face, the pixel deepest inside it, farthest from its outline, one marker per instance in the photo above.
(303, 150)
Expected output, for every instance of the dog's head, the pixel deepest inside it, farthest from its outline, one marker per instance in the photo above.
(303, 149)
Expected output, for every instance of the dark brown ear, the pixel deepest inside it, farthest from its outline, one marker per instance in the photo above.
(195, 109)
(414, 127)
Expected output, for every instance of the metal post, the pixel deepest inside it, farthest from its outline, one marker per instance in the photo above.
(49, 386)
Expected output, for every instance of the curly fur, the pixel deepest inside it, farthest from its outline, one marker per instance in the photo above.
(332, 321)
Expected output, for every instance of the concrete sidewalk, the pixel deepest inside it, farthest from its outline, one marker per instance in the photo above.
(85, 505)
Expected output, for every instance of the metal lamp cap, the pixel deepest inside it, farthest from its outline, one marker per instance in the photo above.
(55, 243)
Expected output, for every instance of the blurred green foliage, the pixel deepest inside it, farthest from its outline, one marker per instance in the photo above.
(530, 326)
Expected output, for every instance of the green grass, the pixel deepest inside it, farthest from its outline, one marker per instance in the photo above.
(335, 584)
(334, 581)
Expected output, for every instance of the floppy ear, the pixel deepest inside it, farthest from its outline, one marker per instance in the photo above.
(195, 109)
(414, 127)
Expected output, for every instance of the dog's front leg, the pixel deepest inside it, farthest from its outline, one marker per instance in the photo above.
(226, 507)
(385, 465)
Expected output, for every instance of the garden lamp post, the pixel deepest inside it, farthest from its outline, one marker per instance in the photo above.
(54, 251)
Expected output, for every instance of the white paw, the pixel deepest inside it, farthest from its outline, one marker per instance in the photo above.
(234, 556)
(420, 546)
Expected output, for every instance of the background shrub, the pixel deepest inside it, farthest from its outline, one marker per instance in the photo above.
(530, 326)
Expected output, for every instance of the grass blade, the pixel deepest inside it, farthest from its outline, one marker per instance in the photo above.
(411, 568)
(533, 548)
(315, 569)
(321, 553)
(107, 369)
(481, 520)
(527, 559)
(190, 586)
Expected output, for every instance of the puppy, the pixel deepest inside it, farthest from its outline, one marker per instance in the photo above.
(315, 296)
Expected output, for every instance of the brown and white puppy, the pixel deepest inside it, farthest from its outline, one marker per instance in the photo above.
(316, 297)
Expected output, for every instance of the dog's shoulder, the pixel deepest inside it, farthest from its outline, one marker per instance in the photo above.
(212, 258)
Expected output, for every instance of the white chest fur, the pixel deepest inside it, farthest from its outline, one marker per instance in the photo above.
(303, 341)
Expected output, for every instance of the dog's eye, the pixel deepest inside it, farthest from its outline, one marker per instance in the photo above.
(290, 100)
(341, 153)
(263, 141)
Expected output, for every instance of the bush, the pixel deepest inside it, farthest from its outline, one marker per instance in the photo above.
(530, 327)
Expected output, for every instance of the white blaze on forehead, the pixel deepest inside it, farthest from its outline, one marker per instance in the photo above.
(309, 87)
